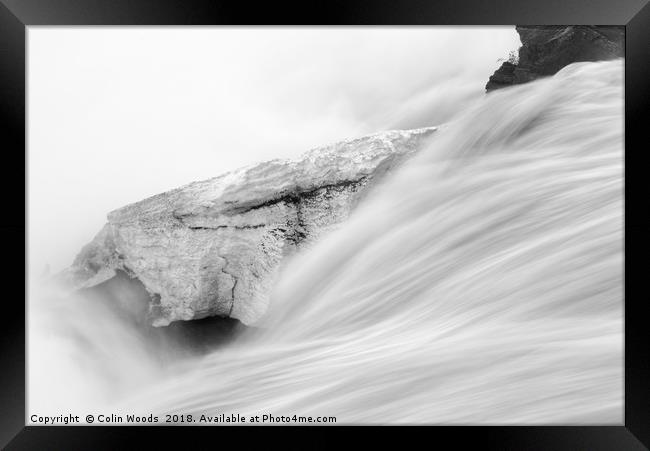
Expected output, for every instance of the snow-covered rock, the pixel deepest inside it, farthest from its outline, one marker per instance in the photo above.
(214, 247)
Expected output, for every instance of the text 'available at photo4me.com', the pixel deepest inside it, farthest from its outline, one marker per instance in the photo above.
(221, 418)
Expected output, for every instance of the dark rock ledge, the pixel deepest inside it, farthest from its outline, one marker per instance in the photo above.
(546, 49)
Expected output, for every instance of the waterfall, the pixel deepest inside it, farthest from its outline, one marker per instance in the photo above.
(479, 284)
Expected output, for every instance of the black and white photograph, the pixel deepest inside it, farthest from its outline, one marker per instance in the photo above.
(361, 215)
(326, 225)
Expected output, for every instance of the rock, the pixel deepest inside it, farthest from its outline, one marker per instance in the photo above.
(214, 247)
(504, 76)
(546, 49)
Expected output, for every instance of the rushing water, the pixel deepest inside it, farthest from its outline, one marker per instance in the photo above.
(481, 284)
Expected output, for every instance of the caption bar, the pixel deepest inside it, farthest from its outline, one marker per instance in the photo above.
(179, 419)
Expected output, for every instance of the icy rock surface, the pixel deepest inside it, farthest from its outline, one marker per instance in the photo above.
(214, 247)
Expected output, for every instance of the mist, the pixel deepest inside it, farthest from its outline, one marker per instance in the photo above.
(478, 283)
(118, 114)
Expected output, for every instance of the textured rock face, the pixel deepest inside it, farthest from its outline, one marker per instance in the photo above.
(214, 247)
(502, 77)
(546, 49)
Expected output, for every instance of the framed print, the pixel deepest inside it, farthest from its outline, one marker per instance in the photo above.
(332, 218)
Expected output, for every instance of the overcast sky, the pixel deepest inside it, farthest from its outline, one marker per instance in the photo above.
(119, 114)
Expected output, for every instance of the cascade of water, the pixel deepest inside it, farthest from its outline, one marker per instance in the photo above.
(482, 283)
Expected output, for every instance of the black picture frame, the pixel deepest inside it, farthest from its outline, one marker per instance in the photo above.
(16, 15)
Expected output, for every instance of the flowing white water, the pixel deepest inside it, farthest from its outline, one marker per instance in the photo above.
(481, 284)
